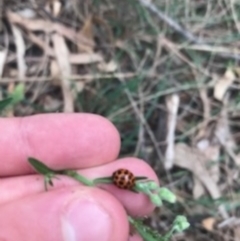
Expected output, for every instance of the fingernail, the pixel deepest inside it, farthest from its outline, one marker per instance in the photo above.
(86, 220)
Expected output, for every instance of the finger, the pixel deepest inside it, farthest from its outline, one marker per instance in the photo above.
(60, 140)
(135, 204)
(135, 237)
(72, 214)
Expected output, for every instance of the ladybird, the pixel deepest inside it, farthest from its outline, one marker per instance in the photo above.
(123, 179)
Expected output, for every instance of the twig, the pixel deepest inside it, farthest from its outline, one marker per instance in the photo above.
(142, 120)
(172, 23)
(85, 78)
(188, 35)
(172, 104)
(164, 93)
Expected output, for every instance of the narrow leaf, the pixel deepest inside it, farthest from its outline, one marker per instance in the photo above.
(4, 103)
(40, 167)
(141, 178)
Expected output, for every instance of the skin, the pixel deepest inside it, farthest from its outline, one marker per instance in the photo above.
(69, 211)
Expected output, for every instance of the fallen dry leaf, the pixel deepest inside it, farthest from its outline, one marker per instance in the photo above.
(236, 231)
(223, 84)
(208, 223)
(85, 58)
(87, 32)
(108, 67)
(87, 29)
(223, 132)
(211, 150)
(198, 189)
(194, 160)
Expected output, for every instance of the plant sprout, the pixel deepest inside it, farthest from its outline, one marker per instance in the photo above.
(143, 185)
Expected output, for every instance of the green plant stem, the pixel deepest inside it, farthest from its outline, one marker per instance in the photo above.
(78, 177)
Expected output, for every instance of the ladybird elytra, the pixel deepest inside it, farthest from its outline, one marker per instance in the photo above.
(123, 179)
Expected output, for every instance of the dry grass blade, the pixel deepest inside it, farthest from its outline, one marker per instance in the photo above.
(234, 15)
(48, 51)
(48, 27)
(173, 48)
(143, 121)
(3, 56)
(79, 58)
(201, 43)
(20, 48)
(212, 49)
(206, 104)
(22, 67)
(62, 56)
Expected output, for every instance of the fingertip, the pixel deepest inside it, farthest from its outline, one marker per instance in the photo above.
(77, 213)
(59, 140)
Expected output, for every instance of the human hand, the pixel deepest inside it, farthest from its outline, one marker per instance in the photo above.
(69, 211)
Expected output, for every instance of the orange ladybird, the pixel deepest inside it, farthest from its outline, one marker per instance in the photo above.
(123, 179)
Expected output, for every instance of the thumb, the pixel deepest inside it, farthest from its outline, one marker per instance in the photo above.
(73, 214)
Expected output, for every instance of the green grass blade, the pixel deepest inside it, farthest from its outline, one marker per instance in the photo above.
(18, 94)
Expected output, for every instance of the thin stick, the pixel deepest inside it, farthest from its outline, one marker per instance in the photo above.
(172, 23)
(178, 28)
(85, 78)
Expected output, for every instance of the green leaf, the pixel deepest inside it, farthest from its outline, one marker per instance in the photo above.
(167, 195)
(40, 167)
(155, 199)
(180, 223)
(18, 94)
(147, 233)
(4, 103)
